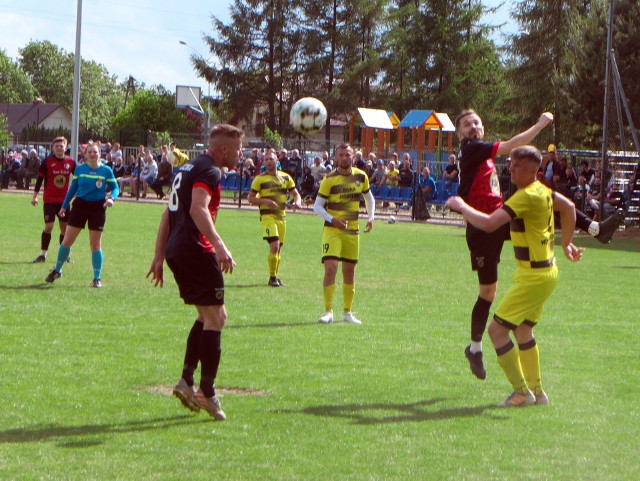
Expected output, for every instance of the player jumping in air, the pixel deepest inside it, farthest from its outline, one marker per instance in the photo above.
(529, 212)
(480, 188)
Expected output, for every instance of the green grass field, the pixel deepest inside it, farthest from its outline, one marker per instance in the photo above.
(86, 373)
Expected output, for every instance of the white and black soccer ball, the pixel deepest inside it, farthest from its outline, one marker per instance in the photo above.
(391, 220)
(308, 115)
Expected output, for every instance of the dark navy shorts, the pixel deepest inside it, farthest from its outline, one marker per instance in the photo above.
(51, 212)
(199, 278)
(92, 213)
(485, 249)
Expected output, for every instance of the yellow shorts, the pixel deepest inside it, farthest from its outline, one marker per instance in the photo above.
(340, 245)
(524, 300)
(273, 228)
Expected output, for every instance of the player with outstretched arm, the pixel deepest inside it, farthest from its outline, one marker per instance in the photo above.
(480, 188)
(529, 213)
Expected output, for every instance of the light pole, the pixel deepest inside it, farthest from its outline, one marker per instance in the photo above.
(206, 113)
(75, 114)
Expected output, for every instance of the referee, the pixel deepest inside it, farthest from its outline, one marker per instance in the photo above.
(95, 188)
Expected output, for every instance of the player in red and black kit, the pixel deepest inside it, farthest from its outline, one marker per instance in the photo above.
(55, 171)
(197, 256)
(480, 188)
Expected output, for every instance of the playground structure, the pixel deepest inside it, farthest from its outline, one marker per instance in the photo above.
(431, 133)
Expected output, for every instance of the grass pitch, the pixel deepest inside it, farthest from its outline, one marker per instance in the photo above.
(86, 373)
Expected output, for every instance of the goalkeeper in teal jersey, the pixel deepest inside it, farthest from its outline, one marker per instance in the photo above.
(95, 188)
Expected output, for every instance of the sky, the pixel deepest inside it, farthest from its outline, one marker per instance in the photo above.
(140, 38)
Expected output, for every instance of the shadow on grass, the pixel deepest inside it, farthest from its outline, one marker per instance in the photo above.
(86, 435)
(244, 286)
(271, 325)
(44, 286)
(617, 243)
(40, 286)
(399, 413)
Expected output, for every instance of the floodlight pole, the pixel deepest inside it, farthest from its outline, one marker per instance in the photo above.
(619, 89)
(75, 115)
(605, 118)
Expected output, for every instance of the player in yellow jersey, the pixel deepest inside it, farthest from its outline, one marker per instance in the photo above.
(338, 203)
(269, 192)
(530, 213)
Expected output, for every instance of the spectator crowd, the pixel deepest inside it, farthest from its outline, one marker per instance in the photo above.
(145, 170)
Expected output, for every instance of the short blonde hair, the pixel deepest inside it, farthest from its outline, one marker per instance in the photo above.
(527, 152)
(226, 130)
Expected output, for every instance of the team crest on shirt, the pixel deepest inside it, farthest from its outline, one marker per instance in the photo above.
(99, 183)
(59, 181)
(357, 183)
(495, 183)
(66, 166)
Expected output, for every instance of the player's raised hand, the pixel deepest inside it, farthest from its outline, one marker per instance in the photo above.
(545, 119)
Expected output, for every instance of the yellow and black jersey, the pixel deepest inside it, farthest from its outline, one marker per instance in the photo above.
(392, 177)
(274, 187)
(342, 193)
(532, 229)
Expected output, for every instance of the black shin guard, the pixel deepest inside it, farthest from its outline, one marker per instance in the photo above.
(210, 352)
(479, 318)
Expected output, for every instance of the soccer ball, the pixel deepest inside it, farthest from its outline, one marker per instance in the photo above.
(308, 115)
(391, 220)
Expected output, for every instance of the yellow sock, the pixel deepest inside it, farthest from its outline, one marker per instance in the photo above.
(273, 264)
(348, 292)
(277, 264)
(328, 292)
(530, 362)
(510, 364)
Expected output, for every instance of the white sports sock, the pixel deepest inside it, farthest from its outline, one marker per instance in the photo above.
(475, 347)
(594, 228)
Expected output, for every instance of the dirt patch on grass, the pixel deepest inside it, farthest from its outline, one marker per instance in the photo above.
(629, 233)
(232, 391)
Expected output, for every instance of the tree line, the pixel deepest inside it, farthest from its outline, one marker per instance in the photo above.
(107, 106)
(396, 55)
(401, 55)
